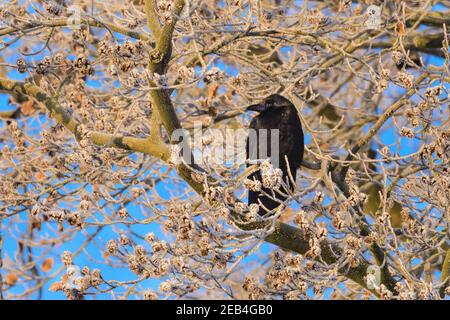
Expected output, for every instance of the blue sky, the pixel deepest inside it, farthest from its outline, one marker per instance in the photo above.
(10, 245)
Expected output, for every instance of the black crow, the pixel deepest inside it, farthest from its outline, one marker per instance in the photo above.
(275, 112)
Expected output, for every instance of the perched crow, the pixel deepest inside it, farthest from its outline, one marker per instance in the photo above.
(275, 112)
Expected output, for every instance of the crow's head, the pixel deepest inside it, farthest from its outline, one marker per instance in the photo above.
(272, 102)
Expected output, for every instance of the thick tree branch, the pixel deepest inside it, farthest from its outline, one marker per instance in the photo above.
(152, 18)
(66, 22)
(435, 18)
(155, 148)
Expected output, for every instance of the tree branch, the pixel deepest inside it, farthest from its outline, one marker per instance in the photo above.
(65, 22)
(381, 120)
(285, 236)
(155, 148)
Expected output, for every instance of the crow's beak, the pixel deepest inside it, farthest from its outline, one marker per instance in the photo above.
(260, 107)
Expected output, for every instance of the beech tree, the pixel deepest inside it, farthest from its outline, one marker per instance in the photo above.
(100, 98)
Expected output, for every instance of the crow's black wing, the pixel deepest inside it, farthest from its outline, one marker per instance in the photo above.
(291, 142)
(273, 200)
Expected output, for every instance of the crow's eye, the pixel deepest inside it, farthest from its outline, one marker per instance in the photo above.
(270, 102)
